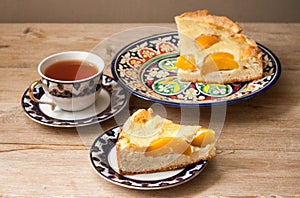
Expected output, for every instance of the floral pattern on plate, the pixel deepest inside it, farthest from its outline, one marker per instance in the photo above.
(102, 155)
(146, 69)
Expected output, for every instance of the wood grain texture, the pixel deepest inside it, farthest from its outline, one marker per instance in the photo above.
(258, 149)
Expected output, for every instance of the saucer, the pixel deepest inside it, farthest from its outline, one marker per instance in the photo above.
(104, 161)
(110, 101)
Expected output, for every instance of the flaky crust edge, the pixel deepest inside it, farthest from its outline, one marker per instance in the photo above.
(203, 16)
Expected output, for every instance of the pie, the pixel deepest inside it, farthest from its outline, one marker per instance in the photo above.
(213, 49)
(148, 143)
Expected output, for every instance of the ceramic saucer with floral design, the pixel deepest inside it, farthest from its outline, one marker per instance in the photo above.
(104, 160)
(111, 100)
(146, 69)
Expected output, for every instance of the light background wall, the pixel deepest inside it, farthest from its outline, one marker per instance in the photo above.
(145, 10)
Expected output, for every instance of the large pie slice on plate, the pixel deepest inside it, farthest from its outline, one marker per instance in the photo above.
(213, 50)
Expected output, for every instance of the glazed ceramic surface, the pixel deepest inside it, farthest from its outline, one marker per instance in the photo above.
(146, 69)
(110, 101)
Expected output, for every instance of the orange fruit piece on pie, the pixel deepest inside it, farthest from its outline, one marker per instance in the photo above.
(205, 41)
(204, 138)
(186, 62)
(168, 145)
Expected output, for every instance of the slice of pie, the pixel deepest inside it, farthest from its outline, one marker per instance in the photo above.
(213, 50)
(149, 143)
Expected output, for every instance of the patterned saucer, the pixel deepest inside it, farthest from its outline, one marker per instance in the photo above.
(111, 100)
(103, 158)
(146, 69)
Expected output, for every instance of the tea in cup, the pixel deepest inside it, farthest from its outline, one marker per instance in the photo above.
(71, 80)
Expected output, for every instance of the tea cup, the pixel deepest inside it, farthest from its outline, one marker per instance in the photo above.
(70, 95)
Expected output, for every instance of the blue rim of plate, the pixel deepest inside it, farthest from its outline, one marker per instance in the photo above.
(102, 147)
(130, 62)
(34, 112)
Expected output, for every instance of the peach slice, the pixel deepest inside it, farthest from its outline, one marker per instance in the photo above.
(186, 62)
(224, 61)
(204, 138)
(219, 61)
(168, 145)
(205, 41)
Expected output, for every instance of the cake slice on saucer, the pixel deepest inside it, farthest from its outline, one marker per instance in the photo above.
(148, 143)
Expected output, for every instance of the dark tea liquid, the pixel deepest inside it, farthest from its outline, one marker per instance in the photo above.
(71, 70)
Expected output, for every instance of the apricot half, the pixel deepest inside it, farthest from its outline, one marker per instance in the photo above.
(186, 62)
(224, 61)
(168, 145)
(219, 61)
(204, 138)
(205, 41)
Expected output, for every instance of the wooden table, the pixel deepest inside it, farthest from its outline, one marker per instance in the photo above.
(258, 150)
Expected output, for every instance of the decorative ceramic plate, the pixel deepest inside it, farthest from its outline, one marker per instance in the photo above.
(111, 100)
(146, 69)
(103, 158)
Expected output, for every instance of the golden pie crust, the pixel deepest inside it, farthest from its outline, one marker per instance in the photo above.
(245, 50)
(203, 16)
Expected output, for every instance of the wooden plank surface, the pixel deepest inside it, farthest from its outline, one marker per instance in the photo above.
(258, 149)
